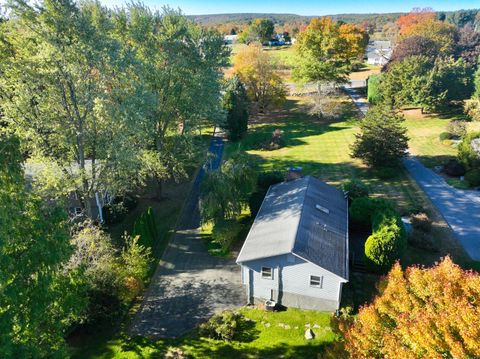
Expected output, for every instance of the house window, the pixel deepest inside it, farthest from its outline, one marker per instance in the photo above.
(316, 281)
(267, 272)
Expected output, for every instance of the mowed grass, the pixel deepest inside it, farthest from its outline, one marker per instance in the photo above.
(264, 335)
(322, 148)
(424, 132)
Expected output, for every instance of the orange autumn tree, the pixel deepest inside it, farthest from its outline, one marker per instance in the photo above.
(424, 23)
(420, 313)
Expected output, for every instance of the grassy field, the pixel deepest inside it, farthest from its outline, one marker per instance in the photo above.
(265, 335)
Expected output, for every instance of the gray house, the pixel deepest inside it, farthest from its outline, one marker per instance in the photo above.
(296, 253)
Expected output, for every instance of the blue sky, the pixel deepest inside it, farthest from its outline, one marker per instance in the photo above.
(304, 7)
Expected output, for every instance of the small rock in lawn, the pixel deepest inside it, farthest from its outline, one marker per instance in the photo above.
(286, 326)
(309, 335)
(316, 326)
(267, 325)
(281, 325)
(307, 325)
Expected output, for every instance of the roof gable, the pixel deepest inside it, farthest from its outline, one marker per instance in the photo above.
(306, 217)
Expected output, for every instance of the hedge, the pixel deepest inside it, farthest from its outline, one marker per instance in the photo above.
(466, 155)
(373, 92)
(388, 239)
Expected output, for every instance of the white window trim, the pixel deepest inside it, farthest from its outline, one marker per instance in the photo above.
(264, 276)
(320, 280)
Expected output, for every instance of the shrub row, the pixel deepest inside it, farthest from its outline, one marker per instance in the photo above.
(388, 239)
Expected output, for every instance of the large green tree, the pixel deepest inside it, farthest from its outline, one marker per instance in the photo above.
(39, 297)
(69, 94)
(326, 49)
(260, 30)
(179, 67)
(382, 140)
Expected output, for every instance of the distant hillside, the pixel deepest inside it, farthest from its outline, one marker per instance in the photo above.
(241, 18)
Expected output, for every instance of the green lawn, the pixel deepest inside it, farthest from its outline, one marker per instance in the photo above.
(268, 335)
(424, 131)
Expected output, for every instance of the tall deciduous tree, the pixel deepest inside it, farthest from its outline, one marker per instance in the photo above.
(423, 22)
(420, 313)
(260, 30)
(179, 67)
(69, 95)
(235, 103)
(325, 51)
(225, 192)
(39, 299)
(382, 140)
(257, 71)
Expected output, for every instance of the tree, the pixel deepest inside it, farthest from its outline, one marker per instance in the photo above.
(467, 45)
(235, 103)
(179, 67)
(325, 51)
(408, 83)
(382, 140)
(260, 30)
(257, 71)
(225, 192)
(113, 277)
(413, 46)
(420, 312)
(423, 22)
(69, 94)
(40, 299)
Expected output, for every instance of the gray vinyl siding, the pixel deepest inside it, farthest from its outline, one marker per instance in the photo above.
(294, 273)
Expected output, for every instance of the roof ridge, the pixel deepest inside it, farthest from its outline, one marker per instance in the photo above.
(308, 178)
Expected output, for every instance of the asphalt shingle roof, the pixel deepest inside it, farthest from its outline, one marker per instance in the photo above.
(293, 218)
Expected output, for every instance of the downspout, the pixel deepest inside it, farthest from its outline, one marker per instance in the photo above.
(99, 206)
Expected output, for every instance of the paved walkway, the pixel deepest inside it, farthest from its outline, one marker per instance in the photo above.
(189, 284)
(459, 208)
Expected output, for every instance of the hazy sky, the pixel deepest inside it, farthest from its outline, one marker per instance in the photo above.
(304, 7)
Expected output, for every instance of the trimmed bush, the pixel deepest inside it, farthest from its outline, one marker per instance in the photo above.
(473, 177)
(373, 92)
(457, 128)
(267, 179)
(445, 136)
(421, 236)
(355, 189)
(363, 209)
(454, 168)
(466, 155)
(221, 326)
(387, 242)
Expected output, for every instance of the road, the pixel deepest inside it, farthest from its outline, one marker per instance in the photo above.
(460, 208)
(189, 285)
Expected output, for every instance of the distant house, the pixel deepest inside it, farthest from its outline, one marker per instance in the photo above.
(230, 39)
(379, 52)
(296, 252)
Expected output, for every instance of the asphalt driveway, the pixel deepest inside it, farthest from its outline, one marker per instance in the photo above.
(189, 285)
(460, 208)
